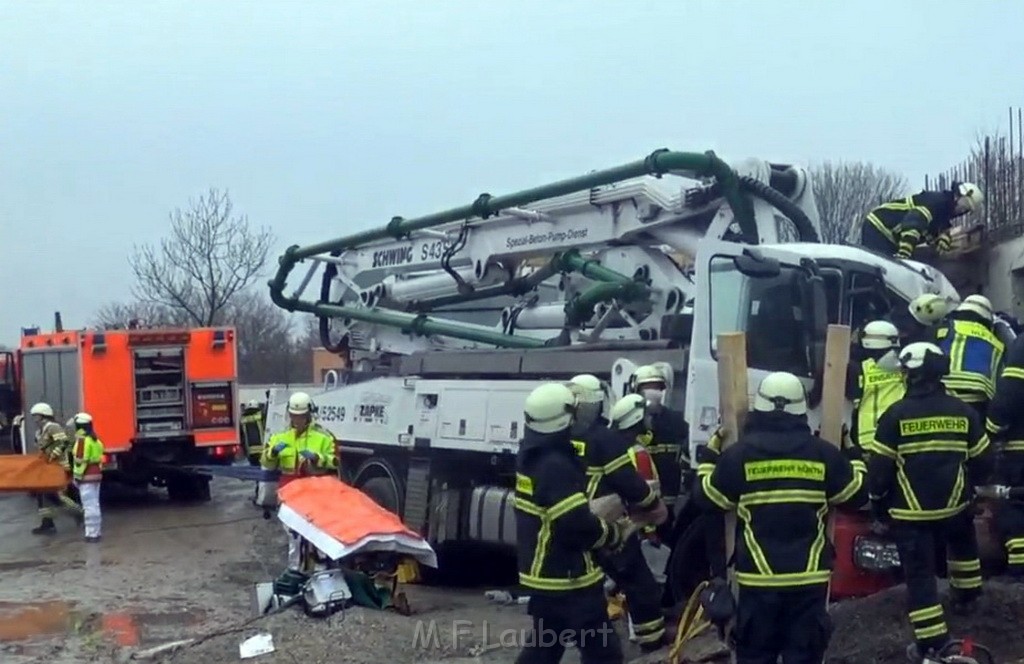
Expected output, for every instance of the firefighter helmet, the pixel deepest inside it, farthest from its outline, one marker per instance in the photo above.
(924, 361)
(41, 408)
(299, 403)
(879, 335)
(978, 305)
(588, 387)
(928, 309)
(82, 418)
(628, 411)
(783, 392)
(647, 374)
(550, 408)
(969, 197)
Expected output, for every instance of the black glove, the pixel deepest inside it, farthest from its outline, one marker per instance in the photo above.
(616, 537)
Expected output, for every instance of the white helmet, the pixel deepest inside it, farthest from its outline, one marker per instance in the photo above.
(41, 408)
(252, 403)
(588, 387)
(979, 305)
(969, 197)
(914, 355)
(879, 335)
(550, 408)
(628, 411)
(928, 309)
(781, 391)
(647, 374)
(924, 361)
(82, 418)
(299, 403)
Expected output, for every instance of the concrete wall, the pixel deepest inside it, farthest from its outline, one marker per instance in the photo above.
(1005, 286)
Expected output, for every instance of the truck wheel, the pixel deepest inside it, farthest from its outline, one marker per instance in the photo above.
(383, 492)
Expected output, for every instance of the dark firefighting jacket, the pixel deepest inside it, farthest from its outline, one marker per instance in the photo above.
(668, 442)
(975, 355)
(930, 450)
(781, 480)
(611, 466)
(556, 532)
(1006, 415)
(922, 218)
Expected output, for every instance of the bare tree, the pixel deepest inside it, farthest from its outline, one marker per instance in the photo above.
(121, 315)
(846, 191)
(210, 256)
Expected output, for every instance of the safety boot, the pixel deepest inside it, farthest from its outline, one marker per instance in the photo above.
(45, 527)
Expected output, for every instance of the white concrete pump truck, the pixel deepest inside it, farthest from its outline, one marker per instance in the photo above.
(452, 318)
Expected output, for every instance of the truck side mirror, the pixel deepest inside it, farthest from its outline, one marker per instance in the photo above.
(816, 329)
(752, 263)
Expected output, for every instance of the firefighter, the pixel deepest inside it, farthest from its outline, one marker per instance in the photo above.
(251, 428)
(301, 450)
(874, 381)
(1005, 426)
(897, 228)
(926, 314)
(975, 353)
(668, 432)
(88, 473)
(53, 443)
(557, 536)
(781, 480)
(610, 461)
(929, 452)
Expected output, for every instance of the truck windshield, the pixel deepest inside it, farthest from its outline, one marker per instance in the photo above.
(769, 310)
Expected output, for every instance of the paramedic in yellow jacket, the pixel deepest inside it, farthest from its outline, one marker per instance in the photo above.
(87, 455)
(299, 451)
(53, 443)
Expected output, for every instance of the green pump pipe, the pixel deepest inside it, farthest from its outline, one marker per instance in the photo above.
(657, 163)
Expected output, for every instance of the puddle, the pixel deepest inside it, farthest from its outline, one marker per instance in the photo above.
(46, 620)
(15, 565)
(25, 621)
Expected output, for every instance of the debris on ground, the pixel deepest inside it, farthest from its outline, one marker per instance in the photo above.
(875, 630)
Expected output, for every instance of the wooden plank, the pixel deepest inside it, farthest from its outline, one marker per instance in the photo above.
(733, 404)
(833, 389)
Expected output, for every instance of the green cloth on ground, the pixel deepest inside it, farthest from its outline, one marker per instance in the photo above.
(365, 592)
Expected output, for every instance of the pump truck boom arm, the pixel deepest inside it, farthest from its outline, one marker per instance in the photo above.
(603, 233)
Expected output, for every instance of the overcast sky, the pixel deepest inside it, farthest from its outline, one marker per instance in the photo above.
(326, 118)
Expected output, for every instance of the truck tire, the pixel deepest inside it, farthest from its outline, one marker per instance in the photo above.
(383, 492)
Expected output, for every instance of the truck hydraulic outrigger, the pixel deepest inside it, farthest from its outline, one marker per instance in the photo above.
(727, 183)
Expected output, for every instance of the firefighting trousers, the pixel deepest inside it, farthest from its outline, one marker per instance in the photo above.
(90, 492)
(792, 623)
(1009, 521)
(918, 543)
(630, 572)
(576, 618)
(873, 240)
(48, 503)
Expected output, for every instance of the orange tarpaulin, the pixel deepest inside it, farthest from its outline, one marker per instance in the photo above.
(20, 472)
(341, 520)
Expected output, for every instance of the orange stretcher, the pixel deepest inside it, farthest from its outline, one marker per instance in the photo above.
(21, 473)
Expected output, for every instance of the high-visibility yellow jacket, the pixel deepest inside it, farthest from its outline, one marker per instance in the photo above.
(88, 458)
(291, 462)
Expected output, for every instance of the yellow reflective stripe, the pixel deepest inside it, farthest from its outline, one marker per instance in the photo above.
(1014, 446)
(760, 560)
(925, 515)
(714, 495)
(580, 447)
(1013, 372)
(783, 580)
(705, 469)
(562, 507)
(957, 446)
(978, 448)
(542, 583)
(931, 632)
(881, 227)
(814, 557)
(649, 626)
(906, 488)
(616, 463)
(992, 427)
(782, 496)
(1015, 543)
(547, 517)
(923, 211)
(958, 488)
(965, 582)
(929, 613)
(964, 565)
(524, 484)
(878, 447)
(1015, 559)
(604, 535)
(850, 489)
